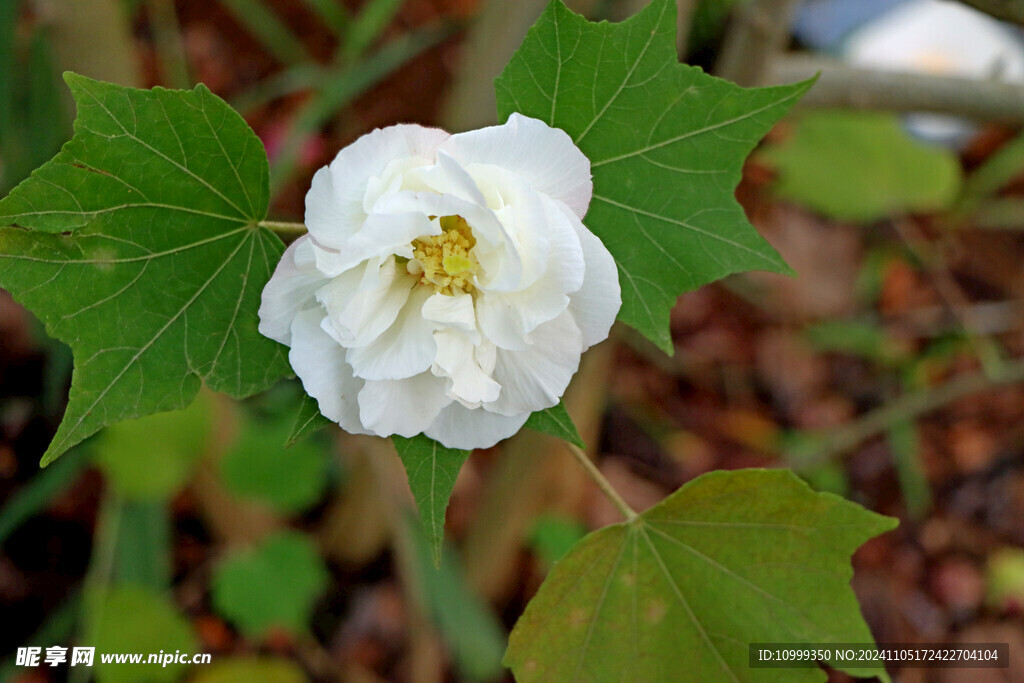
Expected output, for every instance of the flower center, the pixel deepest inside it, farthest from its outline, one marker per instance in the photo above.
(446, 261)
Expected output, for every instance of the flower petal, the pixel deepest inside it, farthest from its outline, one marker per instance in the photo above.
(459, 427)
(507, 317)
(363, 302)
(407, 348)
(405, 407)
(320, 364)
(448, 177)
(290, 290)
(536, 377)
(596, 304)
(456, 359)
(335, 208)
(380, 236)
(546, 157)
(455, 311)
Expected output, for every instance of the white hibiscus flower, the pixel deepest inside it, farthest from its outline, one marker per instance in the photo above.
(447, 285)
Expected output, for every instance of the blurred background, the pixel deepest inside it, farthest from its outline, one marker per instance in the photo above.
(888, 371)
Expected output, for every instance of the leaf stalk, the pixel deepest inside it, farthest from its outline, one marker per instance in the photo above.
(602, 483)
(284, 228)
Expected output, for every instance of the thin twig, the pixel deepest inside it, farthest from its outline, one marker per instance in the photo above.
(606, 487)
(985, 348)
(1007, 10)
(907, 407)
(841, 86)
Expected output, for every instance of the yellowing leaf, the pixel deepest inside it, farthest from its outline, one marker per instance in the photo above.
(729, 559)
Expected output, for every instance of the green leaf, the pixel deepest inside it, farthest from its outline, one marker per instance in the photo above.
(555, 422)
(308, 421)
(139, 246)
(273, 585)
(152, 457)
(552, 536)
(729, 559)
(862, 166)
(134, 619)
(260, 466)
(666, 144)
(432, 470)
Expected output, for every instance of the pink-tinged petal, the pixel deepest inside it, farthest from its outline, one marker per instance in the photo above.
(544, 156)
(335, 203)
(320, 364)
(290, 290)
(536, 377)
(456, 359)
(405, 407)
(596, 304)
(363, 302)
(407, 348)
(460, 427)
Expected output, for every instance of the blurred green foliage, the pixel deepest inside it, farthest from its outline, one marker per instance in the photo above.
(34, 117)
(152, 457)
(132, 619)
(553, 535)
(273, 585)
(476, 637)
(245, 669)
(861, 167)
(259, 466)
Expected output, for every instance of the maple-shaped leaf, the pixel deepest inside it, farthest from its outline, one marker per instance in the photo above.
(139, 245)
(666, 143)
(681, 591)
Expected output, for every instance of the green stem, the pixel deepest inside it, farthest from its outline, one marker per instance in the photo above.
(606, 487)
(284, 228)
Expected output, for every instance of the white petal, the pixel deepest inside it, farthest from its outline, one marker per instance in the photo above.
(362, 312)
(451, 311)
(407, 348)
(448, 177)
(380, 236)
(536, 377)
(505, 318)
(456, 359)
(465, 428)
(405, 407)
(320, 363)
(289, 291)
(522, 215)
(500, 263)
(546, 157)
(335, 207)
(596, 304)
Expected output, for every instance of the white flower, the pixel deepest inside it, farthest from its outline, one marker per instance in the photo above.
(447, 285)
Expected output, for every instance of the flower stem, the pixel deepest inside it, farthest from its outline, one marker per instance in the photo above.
(606, 487)
(284, 228)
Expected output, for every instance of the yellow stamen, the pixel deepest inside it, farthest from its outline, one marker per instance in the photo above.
(447, 260)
